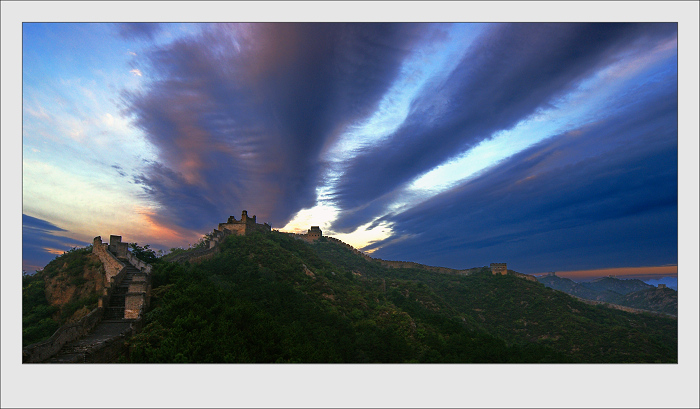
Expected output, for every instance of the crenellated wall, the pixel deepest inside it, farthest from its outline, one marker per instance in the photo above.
(141, 265)
(499, 268)
(111, 264)
(139, 294)
(244, 226)
(410, 264)
(117, 247)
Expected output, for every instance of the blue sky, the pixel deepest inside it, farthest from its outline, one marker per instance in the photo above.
(547, 146)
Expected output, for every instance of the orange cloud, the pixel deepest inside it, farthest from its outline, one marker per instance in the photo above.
(54, 251)
(629, 272)
(152, 230)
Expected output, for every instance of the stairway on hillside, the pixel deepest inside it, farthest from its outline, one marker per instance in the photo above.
(112, 325)
(117, 301)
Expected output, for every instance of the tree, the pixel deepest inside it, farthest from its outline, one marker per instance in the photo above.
(144, 253)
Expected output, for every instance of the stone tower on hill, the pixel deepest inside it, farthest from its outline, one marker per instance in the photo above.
(314, 233)
(499, 268)
(244, 226)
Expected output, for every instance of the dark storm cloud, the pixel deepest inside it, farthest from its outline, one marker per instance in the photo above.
(603, 195)
(511, 72)
(37, 236)
(241, 113)
(138, 31)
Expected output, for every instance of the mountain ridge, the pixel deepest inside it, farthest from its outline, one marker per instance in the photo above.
(631, 293)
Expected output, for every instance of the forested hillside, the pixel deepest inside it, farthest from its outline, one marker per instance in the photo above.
(272, 298)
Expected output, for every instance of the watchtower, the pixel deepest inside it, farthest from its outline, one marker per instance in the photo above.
(246, 219)
(499, 268)
(314, 233)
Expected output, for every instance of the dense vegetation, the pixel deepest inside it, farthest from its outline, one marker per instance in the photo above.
(271, 298)
(37, 315)
(40, 319)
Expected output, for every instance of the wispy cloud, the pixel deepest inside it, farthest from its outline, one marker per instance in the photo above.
(242, 112)
(454, 144)
(41, 241)
(513, 71)
(583, 193)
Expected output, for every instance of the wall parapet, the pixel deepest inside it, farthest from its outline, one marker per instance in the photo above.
(111, 264)
(44, 350)
(141, 265)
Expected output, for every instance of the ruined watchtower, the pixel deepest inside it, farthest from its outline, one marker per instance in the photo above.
(499, 268)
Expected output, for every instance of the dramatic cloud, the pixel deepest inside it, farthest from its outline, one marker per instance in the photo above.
(510, 73)
(40, 244)
(604, 194)
(241, 113)
(547, 146)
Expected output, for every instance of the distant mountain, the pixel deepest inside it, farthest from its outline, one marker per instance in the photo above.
(616, 285)
(629, 293)
(570, 287)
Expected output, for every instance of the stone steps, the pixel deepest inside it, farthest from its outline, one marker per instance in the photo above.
(113, 324)
(78, 351)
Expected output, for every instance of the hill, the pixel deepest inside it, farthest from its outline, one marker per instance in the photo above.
(653, 299)
(64, 291)
(273, 298)
(629, 293)
(571, 287)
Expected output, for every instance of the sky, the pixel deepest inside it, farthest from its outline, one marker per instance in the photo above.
(549, 146)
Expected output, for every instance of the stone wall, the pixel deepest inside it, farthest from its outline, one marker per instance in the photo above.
(193, 256)
(138, 287)
(244, 226)
(233, 228)
(117, 247)
(499, 268)
(410, 264)
(115, 270)
(134, 303)
(354, 250)
(70, 332)
(141, 265)
(111, 265)
(527, 277)
(622, 307)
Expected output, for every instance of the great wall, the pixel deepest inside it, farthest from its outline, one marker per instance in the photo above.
(100, 335)
(248, 225)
